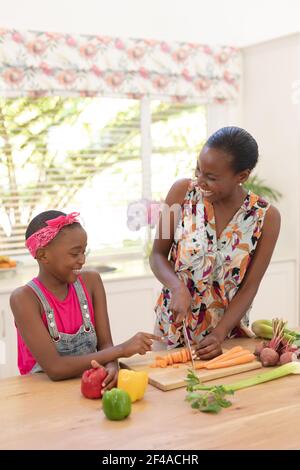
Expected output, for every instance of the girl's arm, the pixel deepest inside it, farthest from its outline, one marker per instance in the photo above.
(210, 346)
(27, 312)
(160, 265)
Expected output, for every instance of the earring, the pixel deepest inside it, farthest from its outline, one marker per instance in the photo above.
(240, 184)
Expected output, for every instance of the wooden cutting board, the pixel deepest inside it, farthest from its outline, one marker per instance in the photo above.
(170, 378)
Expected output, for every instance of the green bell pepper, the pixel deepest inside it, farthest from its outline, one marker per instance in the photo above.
(116, 404)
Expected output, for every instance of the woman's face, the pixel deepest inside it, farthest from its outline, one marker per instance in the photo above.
(215, 175)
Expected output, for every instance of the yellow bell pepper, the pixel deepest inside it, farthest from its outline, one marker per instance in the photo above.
(133, 382)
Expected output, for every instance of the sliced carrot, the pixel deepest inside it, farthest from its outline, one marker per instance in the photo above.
(232, 362)
(170, 361)
(188, 355)
(182, 356)
(163, 363)
(177, 357)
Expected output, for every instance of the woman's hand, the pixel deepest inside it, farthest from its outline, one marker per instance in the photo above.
(112, 370)
(139, 344)
(180, 304)
(209, 347)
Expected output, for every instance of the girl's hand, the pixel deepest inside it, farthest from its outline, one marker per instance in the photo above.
(111, 379)
(180, 304)
(209, 347)
(139, 344)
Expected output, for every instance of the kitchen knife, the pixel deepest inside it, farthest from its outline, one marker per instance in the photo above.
(187, 343)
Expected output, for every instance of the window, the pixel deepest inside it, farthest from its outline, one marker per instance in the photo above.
(84, 154)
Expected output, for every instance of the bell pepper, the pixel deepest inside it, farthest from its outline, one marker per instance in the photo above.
(92, 382)
(133, 382)
(116, 404)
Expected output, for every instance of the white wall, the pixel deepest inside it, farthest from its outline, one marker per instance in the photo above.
(270, 69)
(271, 114)
(232, 22)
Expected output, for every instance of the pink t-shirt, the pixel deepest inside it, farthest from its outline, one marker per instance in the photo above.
(67, 315)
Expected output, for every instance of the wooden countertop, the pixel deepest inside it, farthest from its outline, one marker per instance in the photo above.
(36, 413)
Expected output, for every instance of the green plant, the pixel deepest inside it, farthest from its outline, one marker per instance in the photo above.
(258, 186)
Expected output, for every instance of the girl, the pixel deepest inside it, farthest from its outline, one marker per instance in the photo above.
(220, 238)
(61, 315)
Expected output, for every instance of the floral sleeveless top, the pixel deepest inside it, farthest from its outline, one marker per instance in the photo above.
(212, 269)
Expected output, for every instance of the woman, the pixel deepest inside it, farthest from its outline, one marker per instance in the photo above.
(213, 245)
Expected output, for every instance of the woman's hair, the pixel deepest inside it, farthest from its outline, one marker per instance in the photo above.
(39, 221)
(238, 144)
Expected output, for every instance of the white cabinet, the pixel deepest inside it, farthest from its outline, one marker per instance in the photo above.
(130, 305)
(277, 295)
(8, 339)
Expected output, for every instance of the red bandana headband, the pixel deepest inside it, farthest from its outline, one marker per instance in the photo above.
(44, 236)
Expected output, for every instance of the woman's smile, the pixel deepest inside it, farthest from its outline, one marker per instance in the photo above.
(206, 193)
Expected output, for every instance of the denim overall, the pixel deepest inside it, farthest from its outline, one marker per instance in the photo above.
(84, 341)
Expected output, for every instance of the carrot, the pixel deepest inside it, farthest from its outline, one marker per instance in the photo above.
(232, 362)
(227, 358)
(200, 365)
(226, 354)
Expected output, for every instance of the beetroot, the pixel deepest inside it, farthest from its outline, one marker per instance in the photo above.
(260, 346)
(91, 382)
(269, 357)
(288, 356)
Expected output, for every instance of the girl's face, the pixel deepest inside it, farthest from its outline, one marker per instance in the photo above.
(215, 175)
(65, 255)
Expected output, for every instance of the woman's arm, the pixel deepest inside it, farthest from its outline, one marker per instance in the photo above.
(211, 345)
(27, 312)
(160, 265)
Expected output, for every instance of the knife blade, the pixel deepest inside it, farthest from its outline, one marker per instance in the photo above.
(188, 344)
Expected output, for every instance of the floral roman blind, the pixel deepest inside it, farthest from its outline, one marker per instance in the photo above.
(43, 63)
